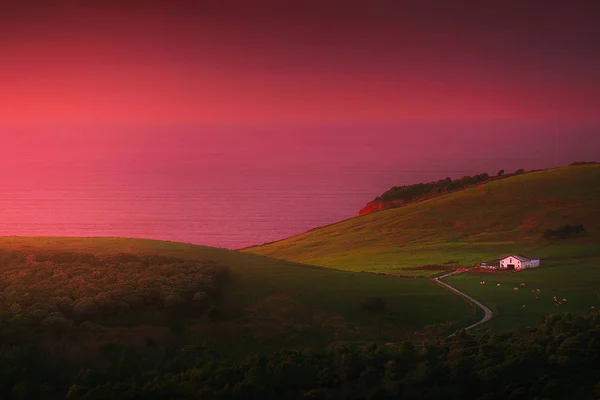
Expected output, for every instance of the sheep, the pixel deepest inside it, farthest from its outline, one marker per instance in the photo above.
(515, 288)
(560, 303)
(523, 284)
(538, 290)
(523, 306)
(593, 307)
(498, 284)
(564, 300)
(537, 297)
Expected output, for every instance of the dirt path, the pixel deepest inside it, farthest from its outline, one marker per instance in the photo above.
(487, 311)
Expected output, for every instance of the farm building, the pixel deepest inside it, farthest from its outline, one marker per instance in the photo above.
(518, 262)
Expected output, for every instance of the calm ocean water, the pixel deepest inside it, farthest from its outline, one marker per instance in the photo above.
(217, 187)
(231, 209)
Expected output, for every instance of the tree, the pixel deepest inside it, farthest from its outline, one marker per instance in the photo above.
(201, 301)
(501, 172)
(519, 171)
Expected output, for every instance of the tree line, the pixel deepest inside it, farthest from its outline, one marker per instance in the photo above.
(60, 289)
(557, 359)
(410, 193)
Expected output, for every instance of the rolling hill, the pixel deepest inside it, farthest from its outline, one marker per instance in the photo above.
(131, 290)
(462, 228)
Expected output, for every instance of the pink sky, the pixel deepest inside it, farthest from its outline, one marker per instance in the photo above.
(222, 114)
(268, 64)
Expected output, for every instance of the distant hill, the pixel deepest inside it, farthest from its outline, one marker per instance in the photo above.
(464, 227)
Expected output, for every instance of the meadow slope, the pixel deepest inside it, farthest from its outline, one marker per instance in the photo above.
(267, 303)
(461, 228)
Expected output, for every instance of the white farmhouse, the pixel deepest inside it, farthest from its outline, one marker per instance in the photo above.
(518, 262)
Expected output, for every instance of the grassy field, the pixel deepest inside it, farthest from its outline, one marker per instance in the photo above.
(273, 302)
(576, 280)
(462, 228)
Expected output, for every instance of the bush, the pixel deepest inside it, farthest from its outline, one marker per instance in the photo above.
(85, 308)
(91, 326)
(564, 232)
(174, 302)
(373, 304)
(519, 171)
(576, 163)
(501, 172)
(201, 301)
(56, 323)
(410, 193)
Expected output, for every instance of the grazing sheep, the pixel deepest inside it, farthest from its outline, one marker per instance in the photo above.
(593, 307)
(532, 291)
(498, 284)
(515, 288)
(523, 306)
(537, 297)
(484, 282)
(560, 303)
(523, 284)
(538, 290)
(564, 300)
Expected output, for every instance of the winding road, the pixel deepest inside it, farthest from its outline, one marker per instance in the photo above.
(487, 311)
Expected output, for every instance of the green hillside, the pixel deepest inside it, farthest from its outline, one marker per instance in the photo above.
(575, 280)
(100, 285)
(462, 228)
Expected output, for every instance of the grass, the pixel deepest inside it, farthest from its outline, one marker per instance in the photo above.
(577, 280)
(469, 226)
(276, 299)
(274, 302)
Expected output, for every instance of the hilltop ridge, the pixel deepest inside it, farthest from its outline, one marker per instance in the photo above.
(460, 228)
(399, 196)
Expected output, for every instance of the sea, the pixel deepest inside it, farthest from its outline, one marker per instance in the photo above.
(231, 209)
(218, 188)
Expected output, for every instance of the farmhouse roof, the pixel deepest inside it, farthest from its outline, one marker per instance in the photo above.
(519, 257)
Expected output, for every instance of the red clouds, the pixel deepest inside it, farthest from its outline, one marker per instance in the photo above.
(280, 64)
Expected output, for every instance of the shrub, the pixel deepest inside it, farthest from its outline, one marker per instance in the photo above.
(500, 173)
(174, 302)
(576, 163)
(91, 326)
(85, 308)
(39, 314)
(519, 171)
(201, 300)
(409, 193)
(56, 323)
(564, 232)
(373, 304)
